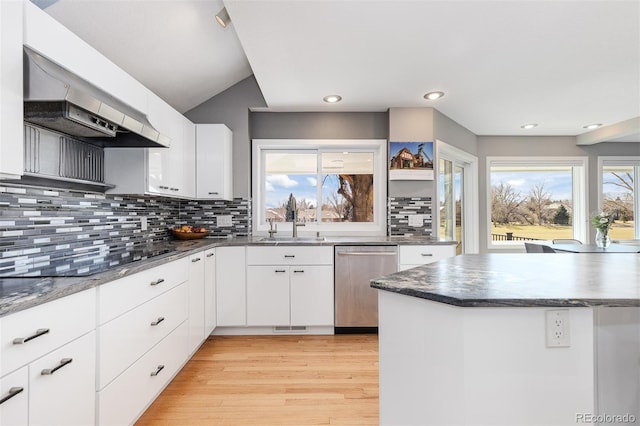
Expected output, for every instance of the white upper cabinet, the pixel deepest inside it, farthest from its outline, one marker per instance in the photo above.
(11, 137)
(214, 162)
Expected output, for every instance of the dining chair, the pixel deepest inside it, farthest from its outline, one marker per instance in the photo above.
(533, 248)
(566, 241)
(547, 249)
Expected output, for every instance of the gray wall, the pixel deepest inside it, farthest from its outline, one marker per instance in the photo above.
(544, 146)
(231, 107)
(447, 130)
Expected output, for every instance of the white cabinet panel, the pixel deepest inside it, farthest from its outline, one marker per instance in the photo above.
(44, 328)
(214, 159)
(410, 256)
(14, 390)
(231, 286)
(210, 290)
(289, 255)
(196, 301)
(312, 295)
(11, 102)
(267, 295)
(62, 385)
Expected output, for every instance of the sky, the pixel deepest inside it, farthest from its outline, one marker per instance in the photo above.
(278, 188)
(556, 183)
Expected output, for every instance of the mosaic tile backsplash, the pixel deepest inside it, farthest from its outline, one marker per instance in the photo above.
(402, 211)
(57, 231)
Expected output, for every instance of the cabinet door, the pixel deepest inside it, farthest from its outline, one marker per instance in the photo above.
(196, 301)
(209, 291)
(267, 295)
(410, 256)
(14, 391)
(11, 104)
(213, 162)
(311, 295)
(230, 286)
(185, 174)
(62, 385)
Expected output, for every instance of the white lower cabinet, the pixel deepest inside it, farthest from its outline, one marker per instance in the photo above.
(14, 398)
(209, 291)
(296, 293)
(411, 256)
(126, 398)
(61, 385)
(196, 286)
(231, 288)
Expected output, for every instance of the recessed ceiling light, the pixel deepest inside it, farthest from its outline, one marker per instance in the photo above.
(529, 126)
(223, 17)
(592, 126)
(332, 99)
(432, 96)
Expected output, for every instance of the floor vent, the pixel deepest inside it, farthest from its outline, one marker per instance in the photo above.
(290, 329)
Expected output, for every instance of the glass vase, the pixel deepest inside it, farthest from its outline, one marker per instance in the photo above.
(602, 238)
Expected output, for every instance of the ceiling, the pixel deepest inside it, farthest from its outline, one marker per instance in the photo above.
(562, 64)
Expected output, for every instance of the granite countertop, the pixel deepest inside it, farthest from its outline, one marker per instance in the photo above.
(17, 294)
(522, 280)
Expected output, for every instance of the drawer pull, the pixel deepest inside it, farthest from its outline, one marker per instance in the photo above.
(280, 270)
(158, 321)
(298, 271)
(213, 193)
(158, 281)
(50, 371)
(210, 254)
(426, 254)
(197, 259)
(289, 255)
(39, 332)
(12, 392)
(158, 370)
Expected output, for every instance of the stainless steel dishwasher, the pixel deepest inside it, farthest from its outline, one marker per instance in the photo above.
(356, 303)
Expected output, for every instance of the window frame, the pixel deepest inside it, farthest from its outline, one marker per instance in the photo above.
(377, 146)
(579, 193)
(633, 161)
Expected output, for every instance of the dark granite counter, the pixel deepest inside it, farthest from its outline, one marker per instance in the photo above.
(521, 280)
(17, 294)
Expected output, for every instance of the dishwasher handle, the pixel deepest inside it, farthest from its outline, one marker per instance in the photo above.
(367, 253)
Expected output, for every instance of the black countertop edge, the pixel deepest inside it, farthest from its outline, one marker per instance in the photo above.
(17, 294)
(511, 303)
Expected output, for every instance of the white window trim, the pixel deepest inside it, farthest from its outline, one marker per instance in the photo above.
(470, 188)
(622, 161)
(579, 193)
(377, 227)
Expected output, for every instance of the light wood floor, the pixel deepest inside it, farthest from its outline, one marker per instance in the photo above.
(274, 380)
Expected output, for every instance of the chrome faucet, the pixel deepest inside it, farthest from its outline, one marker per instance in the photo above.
(295, 224)
(271, 229)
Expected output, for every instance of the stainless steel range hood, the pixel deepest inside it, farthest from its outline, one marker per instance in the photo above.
(56, 99)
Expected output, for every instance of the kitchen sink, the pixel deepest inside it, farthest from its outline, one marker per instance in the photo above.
(292, 239)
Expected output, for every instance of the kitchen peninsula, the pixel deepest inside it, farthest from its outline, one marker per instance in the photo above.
(471, 340)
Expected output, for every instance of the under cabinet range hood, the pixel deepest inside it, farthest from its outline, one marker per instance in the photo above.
(56, 99)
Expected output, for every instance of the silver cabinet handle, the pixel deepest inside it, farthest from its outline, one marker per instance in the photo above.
(50, 371)
(158, 370)
(39, 332)
(299, 271)
(367, 253)
(289, 255)
(214, 193)
(210, 254)
(280, 270)
(197, 259)
(158, 321)
(158, 281)
(12, 392)
(426, 254)
(163, 187)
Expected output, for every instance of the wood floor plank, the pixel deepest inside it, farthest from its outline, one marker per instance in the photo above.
(274, 380)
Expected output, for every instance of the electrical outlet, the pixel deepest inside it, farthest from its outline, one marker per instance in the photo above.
(557, 328)
(143, 223)
(225, 220)
(416, 220)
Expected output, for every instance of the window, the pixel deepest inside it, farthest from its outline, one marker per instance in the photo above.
(338, 185)
(536, 198)
(618, 192)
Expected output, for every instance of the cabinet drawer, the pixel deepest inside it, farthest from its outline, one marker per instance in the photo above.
(118, 297)
(420, 255)
(289, 255)
(124, 399)
(65, 396)
(128, 337)
(44, 328)
(15, 386)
